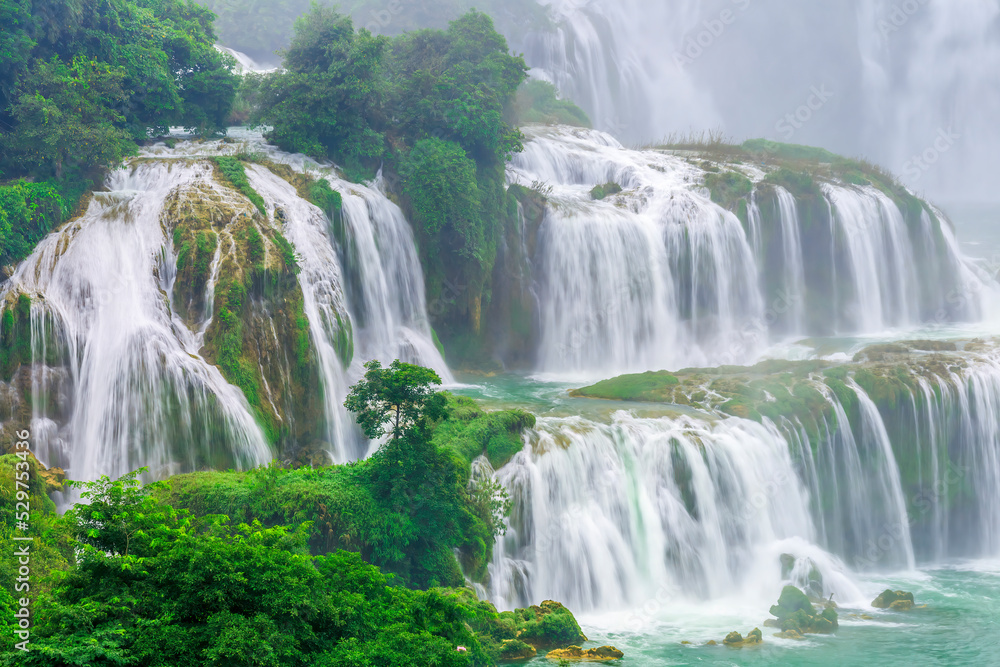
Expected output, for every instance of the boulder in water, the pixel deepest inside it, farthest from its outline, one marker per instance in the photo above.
(796, 612)
(814, 579)
(547, 625)
(514, 649)
(600, 654)
(736, 640)
(888, 598)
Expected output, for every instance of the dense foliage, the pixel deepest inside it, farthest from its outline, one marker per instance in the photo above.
(430, 106)
(278, 566)
(81, 82)
(153, 585)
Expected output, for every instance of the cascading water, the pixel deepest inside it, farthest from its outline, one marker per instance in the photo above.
(656, 277)
(112, 363)
(591, 57)
(607, 514)
(646, 70)
(118, 376)
(659, 276)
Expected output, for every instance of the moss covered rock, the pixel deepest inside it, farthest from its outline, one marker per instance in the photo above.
(605, 190)
(547, 625)
(513, 650)
(471, 432)
(794, 611)
(902, 600)
(575, 653)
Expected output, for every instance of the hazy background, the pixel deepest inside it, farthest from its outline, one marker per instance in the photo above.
(911, 84)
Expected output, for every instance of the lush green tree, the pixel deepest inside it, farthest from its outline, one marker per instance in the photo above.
(66, 116)
(327, 100)
(207, 593)
(455, 84)
(399, 397)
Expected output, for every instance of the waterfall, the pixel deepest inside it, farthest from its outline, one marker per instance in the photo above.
(646, 70)
(655, 277)
(607, 514)
(388, 312)
(660, 276)
(118, 379)
(791, 245)
(879, 257)
(591, 55)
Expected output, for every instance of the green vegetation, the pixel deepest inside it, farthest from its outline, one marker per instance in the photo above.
(799, 183)
(234, 172)
(729, 189)
(80, 84)
(15, 335)
(325, 197)
(278, 566)
(399, 396)
(471, 432)
(648, 386)
(430, 106)
(538, 102)
(604, 191)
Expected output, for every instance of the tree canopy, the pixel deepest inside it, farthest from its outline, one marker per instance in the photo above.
(82, 81)
(394, 400)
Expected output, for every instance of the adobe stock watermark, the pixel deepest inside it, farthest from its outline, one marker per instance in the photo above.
(796, 120)
(383, 18)
(918, 165)
(899, 16)
(22, 542)
(709, 33)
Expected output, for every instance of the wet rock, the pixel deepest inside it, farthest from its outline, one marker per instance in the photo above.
(600, 654)
(711, 642)
(887, 597)
(733, 639)
(755, 636)
(787, 565)
(547, 625)
(795, 611)
(789, 634)
(515, 649)
(901, 605)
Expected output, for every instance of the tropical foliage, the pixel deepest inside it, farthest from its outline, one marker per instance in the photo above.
(81, 82)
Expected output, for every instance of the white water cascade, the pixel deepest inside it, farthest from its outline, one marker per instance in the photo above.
(645, 70)
(659, 276)
(609, 516)
(132, 389)
(117, 376)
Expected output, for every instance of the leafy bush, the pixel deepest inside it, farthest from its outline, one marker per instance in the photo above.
(28, 211)
(325, 197)
(155, 587)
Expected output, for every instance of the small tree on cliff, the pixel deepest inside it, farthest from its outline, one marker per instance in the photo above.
(395, 400)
